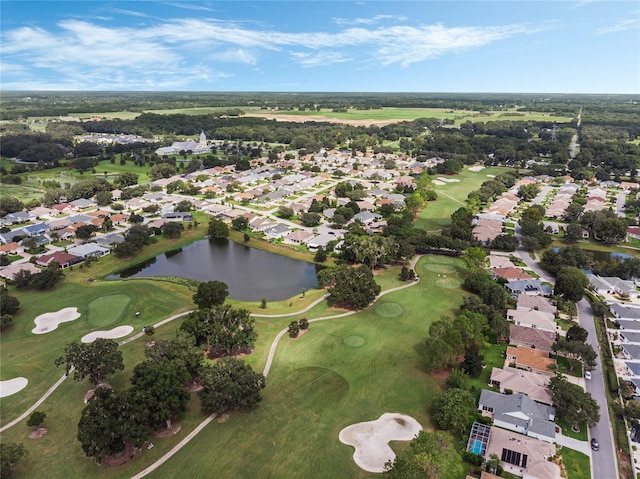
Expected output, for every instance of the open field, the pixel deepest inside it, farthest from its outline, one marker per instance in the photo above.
(385, 116)
(382, 116)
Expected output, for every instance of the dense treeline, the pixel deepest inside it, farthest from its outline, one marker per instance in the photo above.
(40, 103)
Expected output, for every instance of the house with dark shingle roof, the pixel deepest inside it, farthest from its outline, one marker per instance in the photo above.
(519, 413)
(529, 287)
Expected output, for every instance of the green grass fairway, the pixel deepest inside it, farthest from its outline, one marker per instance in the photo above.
(343, 370)
(108, 310)
(390, 113)
(408, 114)
(24, 193)
(452, 196)
(33, 355)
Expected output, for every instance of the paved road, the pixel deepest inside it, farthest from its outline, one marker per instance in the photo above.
(621, 199)
(603, 462)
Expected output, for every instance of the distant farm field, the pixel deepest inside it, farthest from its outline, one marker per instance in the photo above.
(376, 116)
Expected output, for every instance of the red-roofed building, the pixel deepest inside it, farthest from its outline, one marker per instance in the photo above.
(63, 259)
(510, 274)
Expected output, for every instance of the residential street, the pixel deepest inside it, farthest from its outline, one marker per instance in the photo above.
(603, 462)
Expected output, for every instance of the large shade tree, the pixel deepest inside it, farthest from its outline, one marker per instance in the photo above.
(230, 384)
(224, 329)
(160, 386)
(181, 350)
(570, 283)
(353, 288)
(110, 421)
(95, 361)
(210, 294)
(10, 454)
(454, 410)
(573, 404)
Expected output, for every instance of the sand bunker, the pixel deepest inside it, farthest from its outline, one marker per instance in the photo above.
(371, 439)
(117, 332)
(448, 180)
(48, 322)
(475, 169)
(12, 386)
(438, 182)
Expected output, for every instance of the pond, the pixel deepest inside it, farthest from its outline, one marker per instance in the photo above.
(251, 274)
(603, 256)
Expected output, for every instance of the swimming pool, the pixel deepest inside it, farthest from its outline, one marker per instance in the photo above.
(477, 447)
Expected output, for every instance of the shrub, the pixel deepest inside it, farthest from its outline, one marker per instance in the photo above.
(294, 329)
(473, 459)
(613, 381)
(303, 324)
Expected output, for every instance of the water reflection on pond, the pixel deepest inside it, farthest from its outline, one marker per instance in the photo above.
(251, 274)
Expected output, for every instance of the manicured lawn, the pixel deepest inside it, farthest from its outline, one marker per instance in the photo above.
(577, 464)
(24, 193)
(567, 431)
(494, 356)
(452, 196)
(32, 356)
(107, 310)
(341, 371)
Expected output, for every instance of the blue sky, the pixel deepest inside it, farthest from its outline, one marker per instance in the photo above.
(549, 46)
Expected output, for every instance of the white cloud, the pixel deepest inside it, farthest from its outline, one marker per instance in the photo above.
(169, 52)
(132, 13)
(369, 21)
(189, 6)
(238, 55)
(622, 24)
(316, 59)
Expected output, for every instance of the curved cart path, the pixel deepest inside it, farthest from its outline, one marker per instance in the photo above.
(210, 418)
(267, 368)
(57, 384)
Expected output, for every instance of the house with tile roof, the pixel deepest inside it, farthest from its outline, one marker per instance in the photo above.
(510, 273)
(533, 319)
(530, 337)
(523, 456)
(526, 302)
(531, 359)
(63, 259)
(534, 385)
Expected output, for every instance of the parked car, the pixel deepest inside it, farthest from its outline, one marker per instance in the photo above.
(594, 444)
(587, 374)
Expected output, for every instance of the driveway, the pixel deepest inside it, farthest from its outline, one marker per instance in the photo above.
(575, 444)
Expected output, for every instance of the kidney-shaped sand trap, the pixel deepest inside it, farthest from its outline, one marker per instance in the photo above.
(48, 322)
(371, 439)
(12, 386)
(117, 332)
